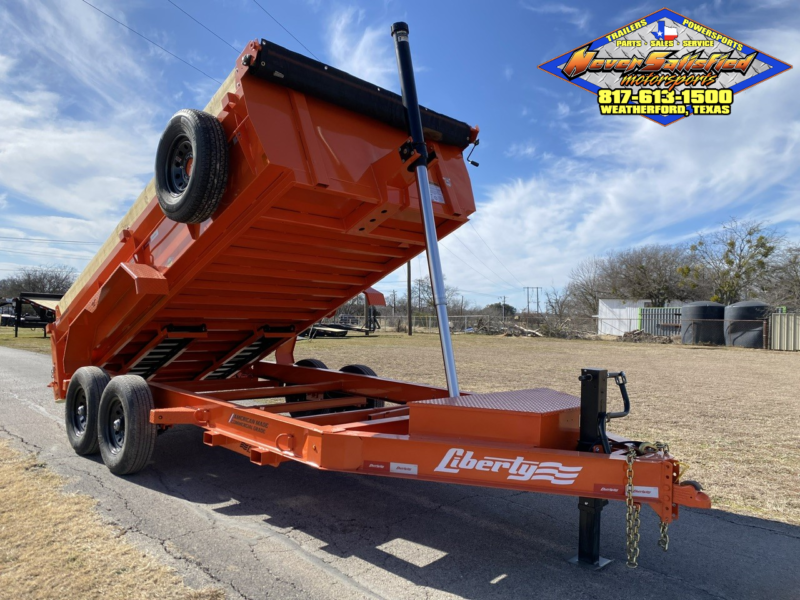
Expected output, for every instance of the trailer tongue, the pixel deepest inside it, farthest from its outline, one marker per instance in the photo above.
(300, 187)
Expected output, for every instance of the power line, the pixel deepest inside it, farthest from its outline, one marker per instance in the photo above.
(286, 30)
(187, 63)
(34, 240)
(204, 27)
(4, 251)
(469, 265)
(455, 237)
(475, 229)
(39, 268)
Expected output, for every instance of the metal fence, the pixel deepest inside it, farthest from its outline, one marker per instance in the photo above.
(458, 323)
(660, 321)
(784, 331)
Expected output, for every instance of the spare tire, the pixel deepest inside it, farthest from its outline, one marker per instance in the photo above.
(191, 166)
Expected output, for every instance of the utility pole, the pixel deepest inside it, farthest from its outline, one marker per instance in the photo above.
(528, 293)
(408, 297)
(503, 307)
(394, 301)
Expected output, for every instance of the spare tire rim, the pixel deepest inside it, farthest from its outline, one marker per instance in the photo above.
(115, 426)
(179, 165)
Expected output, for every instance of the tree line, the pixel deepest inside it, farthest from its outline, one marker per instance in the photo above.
(742, 260)
(49, 279)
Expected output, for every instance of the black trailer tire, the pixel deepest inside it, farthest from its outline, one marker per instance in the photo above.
(126, 436)
(191, 169)
(311, 363)
(80, 410)
(364, 370)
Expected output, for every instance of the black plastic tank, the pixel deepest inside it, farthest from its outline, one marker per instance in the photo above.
(703, 323)
(744, 324)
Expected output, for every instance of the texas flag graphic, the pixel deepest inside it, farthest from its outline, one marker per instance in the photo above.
(665, 33)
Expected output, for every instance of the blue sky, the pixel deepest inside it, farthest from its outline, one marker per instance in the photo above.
(83, 101)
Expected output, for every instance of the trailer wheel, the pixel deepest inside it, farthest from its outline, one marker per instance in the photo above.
(126, 436)
(191, 166)
(80, 414)
(364, 370)
(311, 363)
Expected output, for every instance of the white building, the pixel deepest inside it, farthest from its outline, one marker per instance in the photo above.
(615, 316)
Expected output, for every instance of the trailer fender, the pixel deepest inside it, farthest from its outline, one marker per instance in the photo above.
(129, 291)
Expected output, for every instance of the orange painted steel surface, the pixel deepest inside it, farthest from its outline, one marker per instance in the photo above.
(541, 417)
(319, 207)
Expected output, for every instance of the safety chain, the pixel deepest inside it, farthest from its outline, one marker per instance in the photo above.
(663, 539)
(632, 516)
(633, 509)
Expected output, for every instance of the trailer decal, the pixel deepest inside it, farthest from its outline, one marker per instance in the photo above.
(643, 491)
(518, 468)
(403, 468)
(250, 423)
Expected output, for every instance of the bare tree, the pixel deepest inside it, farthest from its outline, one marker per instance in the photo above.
(48, 279)
(783, 288)
(557, 312)
(588, 282)
(735, 260)
(422, 295)
(648, 272)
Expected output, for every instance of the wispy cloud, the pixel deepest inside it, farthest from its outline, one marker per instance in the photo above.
(77, 135)
(359, 49)
(578, 17)
(521, 150)
(508, 73)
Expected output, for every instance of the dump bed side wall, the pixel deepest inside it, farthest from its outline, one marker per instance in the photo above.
(319, 206)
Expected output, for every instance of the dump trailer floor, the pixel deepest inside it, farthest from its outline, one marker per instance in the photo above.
(295, 532)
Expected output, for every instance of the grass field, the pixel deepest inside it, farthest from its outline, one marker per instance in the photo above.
(731, 413)
(35, 563)
(29, 339)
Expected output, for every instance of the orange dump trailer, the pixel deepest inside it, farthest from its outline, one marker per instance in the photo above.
(298, 188)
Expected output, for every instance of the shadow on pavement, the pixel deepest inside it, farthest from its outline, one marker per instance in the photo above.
(477, 542)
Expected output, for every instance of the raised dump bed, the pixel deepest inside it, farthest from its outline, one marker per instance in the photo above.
(298, 188)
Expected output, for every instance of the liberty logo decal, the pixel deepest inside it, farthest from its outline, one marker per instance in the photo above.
(518, 468)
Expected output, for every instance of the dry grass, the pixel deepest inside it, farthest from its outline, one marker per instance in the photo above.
(732, 414)
(54, 545)
(29, 339)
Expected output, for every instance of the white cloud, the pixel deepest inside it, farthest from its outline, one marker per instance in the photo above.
(521, 150)
(578, 17)
(562, 109)
(365, 52)
(77, 136)
(625, 180)
(508, 73)
(77, 167)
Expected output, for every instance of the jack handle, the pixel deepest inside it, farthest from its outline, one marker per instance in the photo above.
(621, 381)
